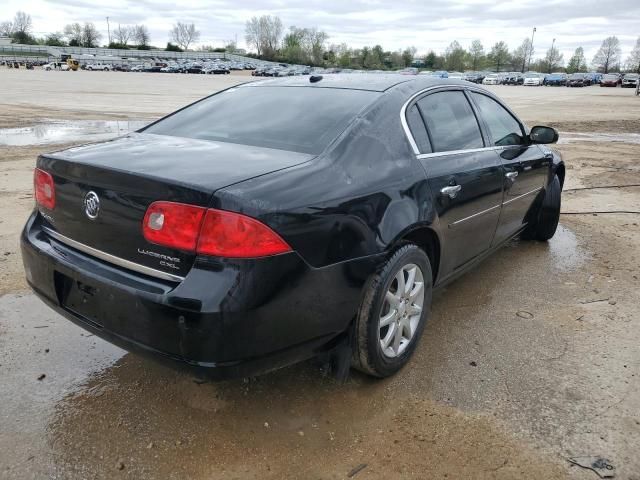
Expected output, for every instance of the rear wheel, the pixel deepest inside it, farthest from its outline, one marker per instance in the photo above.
(393, 313)
(544, 226)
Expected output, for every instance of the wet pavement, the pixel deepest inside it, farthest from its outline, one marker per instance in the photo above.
(573, 137)
(522, 366)
(529, 361)
(52, 132)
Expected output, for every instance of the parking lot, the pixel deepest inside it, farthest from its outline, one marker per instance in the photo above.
(528, 361)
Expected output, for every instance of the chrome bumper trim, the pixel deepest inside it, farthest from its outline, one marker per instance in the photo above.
(107, 257)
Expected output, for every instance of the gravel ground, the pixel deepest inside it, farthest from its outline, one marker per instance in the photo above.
(529, 360)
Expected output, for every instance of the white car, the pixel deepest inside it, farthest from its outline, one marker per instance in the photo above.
(533, 79)
(52, 66)
(491, 79)
(99, 66)
(456, 75)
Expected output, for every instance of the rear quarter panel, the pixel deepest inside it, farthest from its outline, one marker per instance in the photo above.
(353, 201)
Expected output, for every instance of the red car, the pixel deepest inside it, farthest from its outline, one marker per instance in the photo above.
(610, 80)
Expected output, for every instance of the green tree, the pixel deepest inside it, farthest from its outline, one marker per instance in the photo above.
(577, 62)
(476, 56)
(454, 56)
(553, 59)
(54, 40)
(407, 56)
(499, 55)
(21, 29)
(430, 60)
(172, 48)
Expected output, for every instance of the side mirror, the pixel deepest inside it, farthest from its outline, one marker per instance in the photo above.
(541, 134)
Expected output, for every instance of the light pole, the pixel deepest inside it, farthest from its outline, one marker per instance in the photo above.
(551, 55)
(108, 31)
(531, 48)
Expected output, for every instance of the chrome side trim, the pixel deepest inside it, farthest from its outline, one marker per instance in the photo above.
(458, 222)
(107, 257)
(457, 152)
(521, 196)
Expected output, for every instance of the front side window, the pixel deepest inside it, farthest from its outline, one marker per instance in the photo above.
(504, 130)
(451, 122)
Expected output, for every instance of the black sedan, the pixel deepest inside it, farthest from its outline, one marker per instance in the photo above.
(283, 219)
(578, 80)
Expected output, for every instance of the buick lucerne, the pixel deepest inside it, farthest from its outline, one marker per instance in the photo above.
(277, 220)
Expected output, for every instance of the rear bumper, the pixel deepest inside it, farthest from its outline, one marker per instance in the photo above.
(227, 318)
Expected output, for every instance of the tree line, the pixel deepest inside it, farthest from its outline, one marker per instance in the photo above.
(267, 37)
(183, 35)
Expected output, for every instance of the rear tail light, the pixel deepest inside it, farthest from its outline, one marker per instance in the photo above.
(210, 232)
(173, 225)
(44, 189)
(228, 234)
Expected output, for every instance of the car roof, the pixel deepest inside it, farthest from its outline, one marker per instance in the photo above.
(376, 82)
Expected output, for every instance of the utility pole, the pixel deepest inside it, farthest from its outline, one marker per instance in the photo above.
(108, 31)
(552, 55)
(531, 48)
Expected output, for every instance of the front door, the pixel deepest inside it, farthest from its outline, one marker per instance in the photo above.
(465, 178)
(525, 165)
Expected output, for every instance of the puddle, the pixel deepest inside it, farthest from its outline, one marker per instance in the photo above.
(565, 251)
(572, 137)
(68, 131)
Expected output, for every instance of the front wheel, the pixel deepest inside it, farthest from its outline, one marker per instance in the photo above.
(544, 225)
(393, 313)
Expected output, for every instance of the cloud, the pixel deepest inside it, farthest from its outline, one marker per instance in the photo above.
(393, 24)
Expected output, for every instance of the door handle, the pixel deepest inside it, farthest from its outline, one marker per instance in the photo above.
(452, 190)
(511, 176)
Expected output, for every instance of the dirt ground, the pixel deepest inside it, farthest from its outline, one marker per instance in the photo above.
(531, 359)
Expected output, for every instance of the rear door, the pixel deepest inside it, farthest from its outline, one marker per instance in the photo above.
(526, 165)
(465, 177)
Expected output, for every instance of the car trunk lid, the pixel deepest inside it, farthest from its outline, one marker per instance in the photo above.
(128, 174)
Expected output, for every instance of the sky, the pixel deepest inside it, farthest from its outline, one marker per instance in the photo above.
(427, 25)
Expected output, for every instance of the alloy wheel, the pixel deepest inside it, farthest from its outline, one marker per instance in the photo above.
(401, 310)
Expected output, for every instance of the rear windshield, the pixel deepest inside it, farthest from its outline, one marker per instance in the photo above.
(300, 119)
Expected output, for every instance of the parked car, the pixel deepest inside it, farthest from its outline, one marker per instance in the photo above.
(216, 70)
(194, 68)
(455, 75)
(257, 249)
(105, 67)
(473, 77)
(610, 80)
(594, 77)
(513, 78)
(630, 80)
(533, 79)
(56, 66)
(556, 79)
(492, 79)
(440, 74)
(137, 68)
(578, 80)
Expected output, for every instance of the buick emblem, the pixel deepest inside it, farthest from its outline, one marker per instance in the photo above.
(91, 205)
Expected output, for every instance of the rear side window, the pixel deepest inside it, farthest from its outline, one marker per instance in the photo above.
(300, 119)
(451, 122)
(418, 130)
(504, 130)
